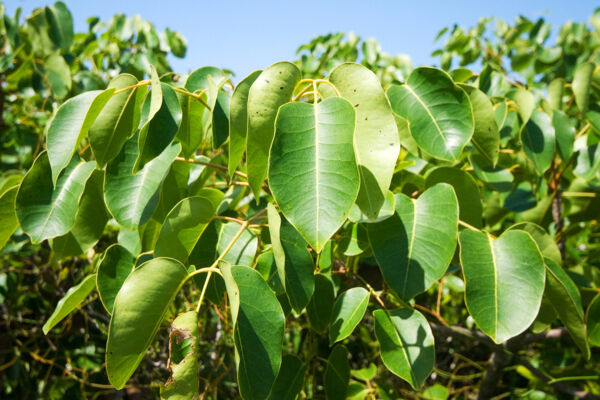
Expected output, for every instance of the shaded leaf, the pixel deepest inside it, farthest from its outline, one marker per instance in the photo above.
(114, 268)
(348, 310)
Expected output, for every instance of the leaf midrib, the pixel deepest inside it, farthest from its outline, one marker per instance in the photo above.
(418, 98)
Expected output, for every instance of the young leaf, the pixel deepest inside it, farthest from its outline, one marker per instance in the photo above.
(486, 136)
(439, 113)
(158, 128)
(8, 215)
(566, 301)
(294, 262)
(348, 310)
(415, 246)
(258, 324)
(582, 85)
(312, 169)
(118, 119)
(131, 199)
(337, 373)
(290, 379)
(539, 139)
(376, 141)
(44, 210)
(70, 125)
(465, 187)
(90, 220)
(504, 281)
(114, 268)
(320, 306)
(183, 359)
(139, 309)
(238, 121)
(70, 302)
(183, 227)
(273, 88)
(407, 346)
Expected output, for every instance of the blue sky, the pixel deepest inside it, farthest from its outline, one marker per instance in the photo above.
(248, 35)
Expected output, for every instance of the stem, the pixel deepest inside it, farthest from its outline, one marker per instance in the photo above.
(469, 226)
(194, 95)
(213, 267)
(211, 165)
(126, 88)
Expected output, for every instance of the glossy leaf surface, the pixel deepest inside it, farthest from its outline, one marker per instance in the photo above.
(348, 309)
(313, 150)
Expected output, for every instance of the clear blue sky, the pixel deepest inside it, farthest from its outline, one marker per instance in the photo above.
(248, 35)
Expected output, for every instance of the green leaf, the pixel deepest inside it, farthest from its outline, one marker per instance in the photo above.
(386, 211)
(60, 25)
(544, 241)
(486, 136)
(566, 301)
(8, 215)
(582, 85)
(337, 373)
(183, 227)
(118, 119)
(592, 318)
(294, 262)
(587, 163)
(376, 141)
(115, 266)
(497, 178)
(177, 43)
(439, 113)
(555, 93)
(320, 306)
(191, 133)
(159, 128)
(525, 103)
(465, 187)
(504, 281)
(220, 119)
(58, 75)
(258, 330)
(312, 169)
(45, 211)
(565, 134)
(131, 199)
(415, 246)
(238, 121)
(348, 310)
(183, 356)
(72, 299)
(139, 309)
(273, 88)
(407, 346)
(355, 240)
(538, 138)
(243, 250)
(290, 379)
(90, 220)
(70, 125)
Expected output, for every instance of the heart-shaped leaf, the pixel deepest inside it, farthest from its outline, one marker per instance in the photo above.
(504, 281)
(439, 113)
(410, 260)
(313, 150)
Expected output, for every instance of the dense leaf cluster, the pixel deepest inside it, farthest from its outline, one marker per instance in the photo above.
(333, 228)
